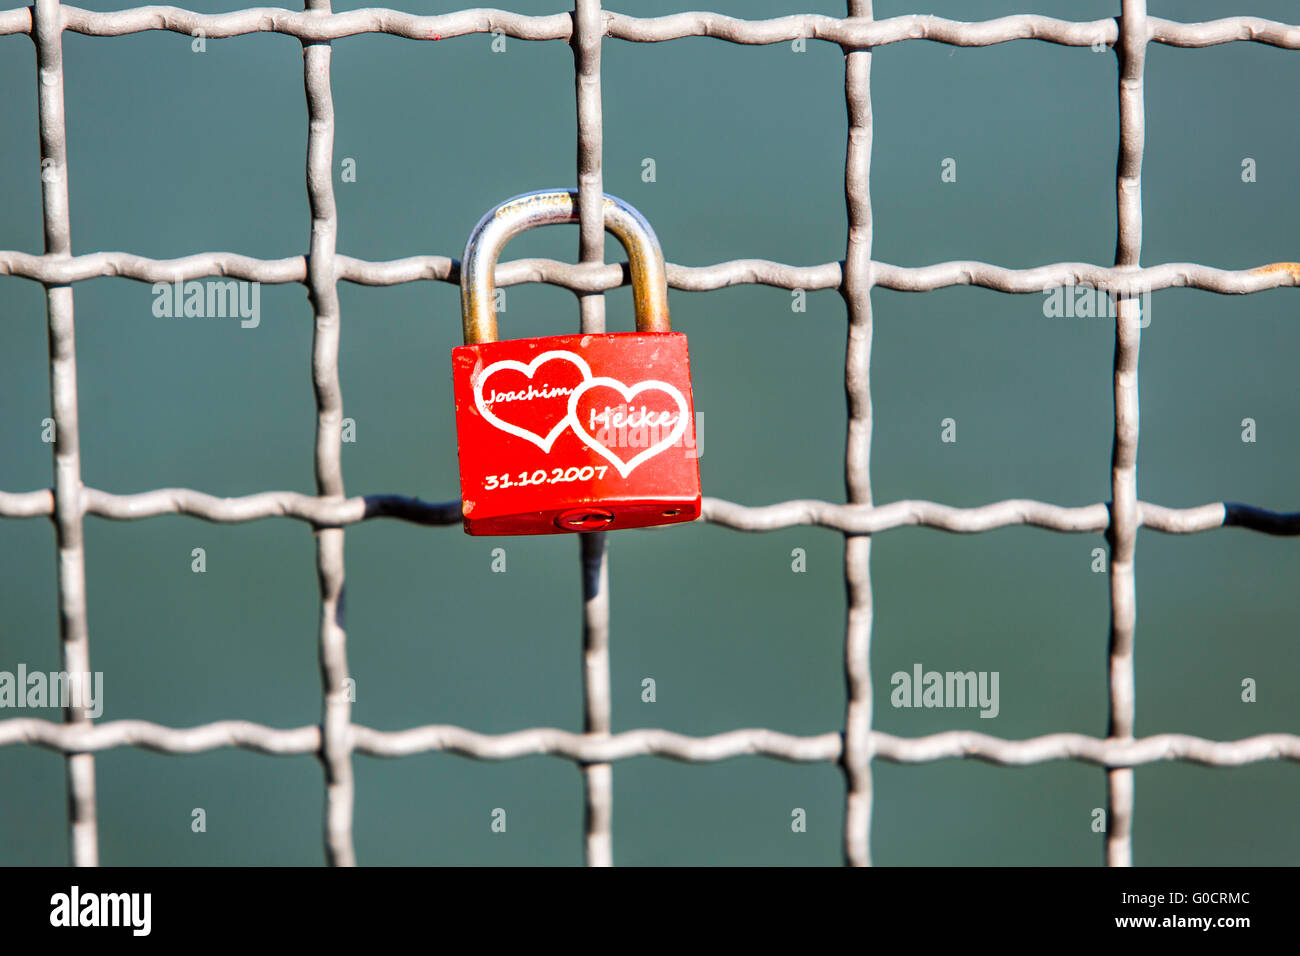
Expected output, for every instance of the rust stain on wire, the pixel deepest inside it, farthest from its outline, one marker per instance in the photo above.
(1289, 269)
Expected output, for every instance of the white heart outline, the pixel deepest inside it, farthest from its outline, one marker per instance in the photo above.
(628, 394)
(543, 443)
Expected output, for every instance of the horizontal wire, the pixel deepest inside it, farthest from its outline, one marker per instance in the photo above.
(1092, 750)
(853, 519)
(600, 748)
(858, 519)
(321, 512)
(597, 748)
(168, 740)
(847, 31)
(590, 278)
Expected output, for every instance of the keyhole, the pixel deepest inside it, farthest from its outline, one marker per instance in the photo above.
(584, 519)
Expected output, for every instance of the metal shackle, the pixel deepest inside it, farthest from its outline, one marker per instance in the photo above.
(544, 208)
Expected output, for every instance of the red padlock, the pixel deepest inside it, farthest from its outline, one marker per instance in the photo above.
(572, 432)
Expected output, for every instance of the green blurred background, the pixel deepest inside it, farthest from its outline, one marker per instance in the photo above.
(174, 152)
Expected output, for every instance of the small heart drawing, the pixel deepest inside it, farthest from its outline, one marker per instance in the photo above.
(628, 393)
(542, 442)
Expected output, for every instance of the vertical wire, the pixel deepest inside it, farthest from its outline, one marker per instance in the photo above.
(74, 637)
(1122, 533)
(598, 778)
(856, 290)
(322, 291)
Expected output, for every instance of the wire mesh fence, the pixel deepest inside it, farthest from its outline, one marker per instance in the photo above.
(337, 738)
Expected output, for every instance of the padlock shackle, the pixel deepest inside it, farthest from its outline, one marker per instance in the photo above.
(544, 208)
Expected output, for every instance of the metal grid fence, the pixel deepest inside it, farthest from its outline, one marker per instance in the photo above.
(336, 738)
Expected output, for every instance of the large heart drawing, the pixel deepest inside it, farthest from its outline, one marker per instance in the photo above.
(599, 447)
(544, 442)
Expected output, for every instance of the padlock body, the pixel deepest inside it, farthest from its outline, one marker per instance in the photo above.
(575, 433)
